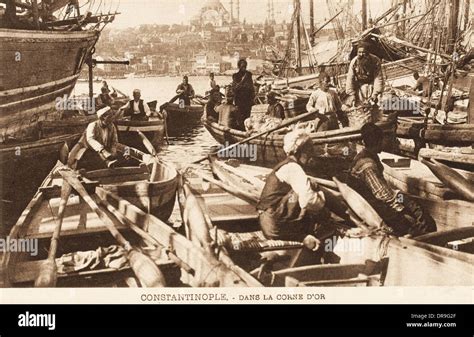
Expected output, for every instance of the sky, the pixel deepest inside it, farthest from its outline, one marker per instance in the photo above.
(137, 12)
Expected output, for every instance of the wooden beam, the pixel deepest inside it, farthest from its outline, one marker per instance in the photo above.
(364, 15)
(470, 115)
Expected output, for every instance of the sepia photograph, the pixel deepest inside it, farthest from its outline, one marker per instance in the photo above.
(236, 151)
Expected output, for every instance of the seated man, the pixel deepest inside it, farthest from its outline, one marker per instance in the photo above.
(104, 99)
(289, 205)
(228, 112)
(325, 101)
(214, 101)
(398, 211)
(136, 109)
(101, 137)
(423, 86)
(275, 109)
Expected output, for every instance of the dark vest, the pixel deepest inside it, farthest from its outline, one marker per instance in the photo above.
(280, 197)
(365, 73)
(131, 112)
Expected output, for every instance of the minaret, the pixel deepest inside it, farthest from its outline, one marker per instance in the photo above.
(273, 12)
(269, 11)
(238, 11)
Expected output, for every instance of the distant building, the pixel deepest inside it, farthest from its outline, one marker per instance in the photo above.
(118, 70)
(212, 13)
(141, 68)
(207, 62)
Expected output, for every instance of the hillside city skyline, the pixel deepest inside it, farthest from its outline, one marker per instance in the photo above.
(252, 11)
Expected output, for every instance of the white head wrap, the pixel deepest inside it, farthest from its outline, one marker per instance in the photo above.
(294, 140)
(102, 111)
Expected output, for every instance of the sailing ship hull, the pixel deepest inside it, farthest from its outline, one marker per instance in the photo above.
(40, 67)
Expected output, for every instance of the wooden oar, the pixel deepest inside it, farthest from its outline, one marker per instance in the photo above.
(452, 179)
(151, 149)
(359, 205)
(250, 198)
(144, 267)
(48, 273)
(334, 201)
(165, 125)
(281, 126)
(146, 142)
(148, 237)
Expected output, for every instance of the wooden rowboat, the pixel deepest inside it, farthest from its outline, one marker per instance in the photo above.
(153, 129)
(155, 195)
(214, 217)
(414, 178)
(333, 149)
(180, 118)
(85, 239)
(431, 259)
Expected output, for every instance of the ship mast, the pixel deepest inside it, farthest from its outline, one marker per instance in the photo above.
(364, 15)
(298, 36)
(311, 20)
(453, 25)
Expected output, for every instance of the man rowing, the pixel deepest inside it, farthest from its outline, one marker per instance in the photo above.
(184, 92)
(137, 109)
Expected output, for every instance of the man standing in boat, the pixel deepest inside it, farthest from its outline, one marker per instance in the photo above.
(290, 204)
(244, 92)
(137, 109)
(325, 101)
(185, 92)
(228, 112)
(364, 80)
(402, 214)
(211, 105)
(101, 137)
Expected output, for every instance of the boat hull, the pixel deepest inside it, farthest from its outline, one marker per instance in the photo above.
(40, 68)
(334, 150)
(179, 120)
(152, 129)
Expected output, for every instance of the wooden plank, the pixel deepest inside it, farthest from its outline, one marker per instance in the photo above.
(51, 192)
(25, 272)
(416, 180)
(449, 214)
(443, 237)
(119, 171)
(456, 157)
(470, 114)
(355, 281)
(449, 136)
(208, 270)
